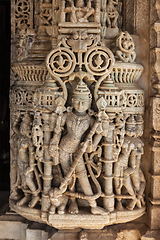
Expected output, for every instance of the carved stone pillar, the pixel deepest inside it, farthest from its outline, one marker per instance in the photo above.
(77, 113)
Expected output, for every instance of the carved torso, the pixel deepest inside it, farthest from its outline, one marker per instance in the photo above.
(76, 127)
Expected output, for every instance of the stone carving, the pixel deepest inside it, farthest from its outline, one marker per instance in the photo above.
(23, 14)
(58, 200)
(26, 164)
(14, 173)
(46, 12)
(111, 13)
(79, 12)
(126, 47)
(76, 147)
(109, 17)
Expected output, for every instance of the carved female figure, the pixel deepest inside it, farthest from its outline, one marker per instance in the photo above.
(122, 171)
(137, 177)
(14, 174)
(26, 164)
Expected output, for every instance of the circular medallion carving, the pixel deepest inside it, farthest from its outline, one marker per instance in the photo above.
(132, 100)
(99, 61)
(22, 7)
(61, 62)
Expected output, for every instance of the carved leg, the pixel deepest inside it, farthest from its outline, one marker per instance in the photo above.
(88, 191)
(73, 208)
(52, 209)
(24, 200)
(61, 209)
(132, 203)
(108, 20)
(14, 179)
(115, 20)
(128, 185)
(34, 201)
(31, 185)
(118, 187)
(65, 160)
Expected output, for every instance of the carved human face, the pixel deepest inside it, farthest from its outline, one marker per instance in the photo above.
(81, 103)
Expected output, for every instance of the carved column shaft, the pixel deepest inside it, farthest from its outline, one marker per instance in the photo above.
(47, 176)
(108, 200)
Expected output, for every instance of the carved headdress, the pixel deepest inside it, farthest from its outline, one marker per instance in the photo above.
(25, 126)
(82, 89)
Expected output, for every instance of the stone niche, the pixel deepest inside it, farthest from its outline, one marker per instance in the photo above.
(84, 153)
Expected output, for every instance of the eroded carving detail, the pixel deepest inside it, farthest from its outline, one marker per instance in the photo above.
(109, 18)
(23, 14)
(126, 47)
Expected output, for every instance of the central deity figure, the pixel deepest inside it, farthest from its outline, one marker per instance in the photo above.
(78, 123)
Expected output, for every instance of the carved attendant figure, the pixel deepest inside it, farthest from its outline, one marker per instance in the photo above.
(122, 172)
(137, 177)
(112, 13)
(14, 174)
(26, 164)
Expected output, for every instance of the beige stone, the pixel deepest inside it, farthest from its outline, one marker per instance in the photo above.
(151, 235)
(95, 152)
(79, 133)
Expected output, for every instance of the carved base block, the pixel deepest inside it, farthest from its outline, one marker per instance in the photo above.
(26, 230)
(154, 216)
(151, 235)
(82, 220)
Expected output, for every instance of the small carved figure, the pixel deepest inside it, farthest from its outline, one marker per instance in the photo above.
(58, 200)
(126, 51)
(79, 13)
(137, 177)
(14, 173)
(112, 13)
(22, 45)
(122, 172)
(26, 164)
(53, 147)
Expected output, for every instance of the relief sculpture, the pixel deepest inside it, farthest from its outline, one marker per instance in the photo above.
(77, 119)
